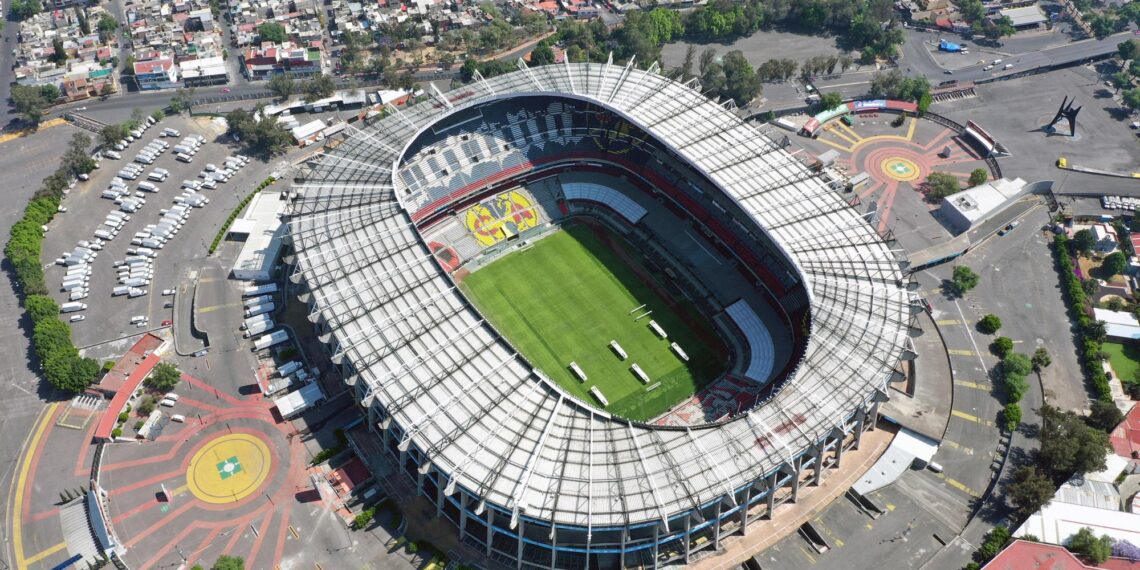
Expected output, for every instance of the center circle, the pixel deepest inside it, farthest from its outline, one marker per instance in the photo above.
(900, 169)
(228, 468)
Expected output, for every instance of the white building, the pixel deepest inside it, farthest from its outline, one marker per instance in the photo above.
(262, 222)
(970, 207)
(1120, 325)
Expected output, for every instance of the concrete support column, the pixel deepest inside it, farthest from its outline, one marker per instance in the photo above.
(772, 493)
(716, 525)
(859, 422)
(688, 538)
(490, 529)
(419, 482)
(439, 498)
(553, 545)
(838, 450)
(656, 543)
(796, 479)
(621, 557)
(873, 417)
(462, 515)
(817, 477)
(519, 547)
(744, 511)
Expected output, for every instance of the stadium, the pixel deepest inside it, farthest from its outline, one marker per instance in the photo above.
(595, 318)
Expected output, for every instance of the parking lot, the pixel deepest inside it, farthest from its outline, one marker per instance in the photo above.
(109, 317)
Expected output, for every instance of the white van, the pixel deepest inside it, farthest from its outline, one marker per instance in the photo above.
(147, 187)
(178, 418)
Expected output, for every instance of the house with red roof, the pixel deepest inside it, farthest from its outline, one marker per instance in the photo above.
(1024, 555)
(158, 73)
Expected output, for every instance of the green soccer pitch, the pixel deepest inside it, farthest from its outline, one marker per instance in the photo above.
(563, 299)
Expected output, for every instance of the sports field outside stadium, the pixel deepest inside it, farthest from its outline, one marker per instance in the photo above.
(563, 299)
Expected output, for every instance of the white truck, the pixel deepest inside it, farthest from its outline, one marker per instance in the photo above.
(257, 320)
(257, 329)
(72, 307)
(256, 290)
(267, 340)
(258, 301)
(288, 368)
(259, 310)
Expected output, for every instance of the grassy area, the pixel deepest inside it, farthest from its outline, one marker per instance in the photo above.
(1125, 359)
(566, 297)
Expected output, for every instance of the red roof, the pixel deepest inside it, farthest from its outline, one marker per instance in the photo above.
(153, 65)
(1126, 437)
(1135, 237)
(943, 23)
(119, 402)
(1022, 555)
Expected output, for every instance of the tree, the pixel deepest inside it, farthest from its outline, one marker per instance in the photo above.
(24, 9)
(1122, 80)
(1104, 416)
(1011, 416)
(1090, 547)
(272, 32)
(1069, 445)
(740, 81)
(940, 185)
(1129, 49)
(830, 100)
(28, 101)
(1114, 263)
(363, 518)
(1084, 241)
(146, 405)
(318, 88)
(182, 100)
(979, 176)
(1095, 331)
(989, 324)
(113, 133)
(1002, 346)
(107, 26)
(1029, 490)
(164, 377)
(229, 563)
(58, 53)
(993, 543)
(1131, 98)
(282, 85)
(1126, 550)
(40, 307)
(81, 19)
(1041, 359)
(542, 54)
(963, 280)
(1016, 364)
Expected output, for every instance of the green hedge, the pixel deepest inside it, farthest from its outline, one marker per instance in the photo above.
(51, 338)
(237, 211)
(1090, 349)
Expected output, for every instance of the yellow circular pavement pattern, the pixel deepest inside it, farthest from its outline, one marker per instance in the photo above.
(229, 468)
(901, 169)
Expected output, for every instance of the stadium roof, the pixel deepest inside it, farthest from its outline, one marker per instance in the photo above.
(503, 431)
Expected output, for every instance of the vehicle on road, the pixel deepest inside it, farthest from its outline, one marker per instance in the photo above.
(77, 318)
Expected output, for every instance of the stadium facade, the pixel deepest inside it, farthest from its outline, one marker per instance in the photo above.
(527, 474)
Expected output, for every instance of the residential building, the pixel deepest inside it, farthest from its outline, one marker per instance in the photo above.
(158, 73)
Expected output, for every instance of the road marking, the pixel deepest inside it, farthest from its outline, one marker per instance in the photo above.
(971, 418)
(808, 554)
(293, 532)
(846, 149)
(37, 557)
(22, 479)
(216, 307)
(910, 129)
(890, 507)
(960, 486)
(984, 386)
(869, 526)
(960, 352)
(958, 446)
(947, 322)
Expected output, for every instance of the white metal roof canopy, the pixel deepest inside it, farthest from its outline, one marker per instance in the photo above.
(481, 415)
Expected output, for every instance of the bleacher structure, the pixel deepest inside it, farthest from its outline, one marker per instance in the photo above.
(529, 475)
